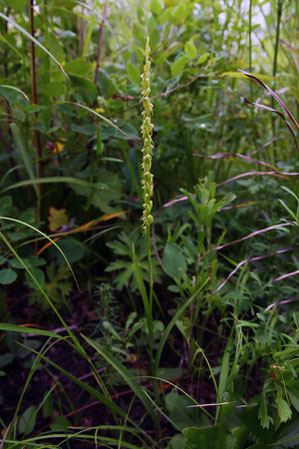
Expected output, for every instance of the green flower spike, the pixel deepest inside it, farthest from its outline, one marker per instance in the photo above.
(146, 131)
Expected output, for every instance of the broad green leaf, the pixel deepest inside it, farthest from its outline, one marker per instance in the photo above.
(154, 39)
(212, 437)
(156, 7)
(83, 83)
(17, 5)
(47, 407)
(203, 58)
(39, 276)
(7, 276)
(56, 48)
(27, 420)
(181, 414)
(133, 73)
(60, 424)
(73, 250)
(179, 65)
(190, 50)
(174, 261)
(283, 408)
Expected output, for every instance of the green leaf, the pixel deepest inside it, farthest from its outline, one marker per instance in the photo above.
(212, 437)
(176, 442)
(203, 58)
(60, 424)
(28, 35)
(48, 407)
(57, 218)
(179, 65)
(99, 143)
(22, 151)
(174, 261)
(27, 421)
(190, 50)
(7, 276)
(39, 276)
(283, 408)
(182, 415)
(133, 73)
(6, 359)
(73, 250)
(56, 48)
(263, 412)
(156, 7)
(293, 393)
(154, 39)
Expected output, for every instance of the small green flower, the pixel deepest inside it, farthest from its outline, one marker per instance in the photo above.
(146, 131)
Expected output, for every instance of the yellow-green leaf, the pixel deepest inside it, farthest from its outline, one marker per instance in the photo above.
(57, 218)
(133, 73)
(190, 50)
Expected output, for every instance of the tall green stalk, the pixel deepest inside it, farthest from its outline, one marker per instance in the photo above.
(147, 189)
(147, 177)
(274, 69)
(250, 46)
(37, 142)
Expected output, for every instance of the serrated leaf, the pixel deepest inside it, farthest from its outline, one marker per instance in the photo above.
(263, 412)
(57, 218)
(179, 65)
(133, 73)
(284, 411)
(7, 276)
(190, 50)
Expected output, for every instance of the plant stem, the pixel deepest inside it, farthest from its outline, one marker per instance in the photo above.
(279, 14)
(274, 70)
(250, 46)
(100, 42)
(37, 143)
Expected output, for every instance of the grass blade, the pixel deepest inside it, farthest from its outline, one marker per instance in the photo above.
(125, 374)
(54, 180)
(22, 151)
